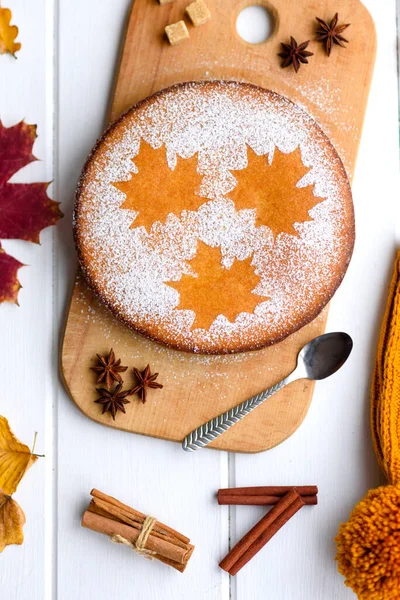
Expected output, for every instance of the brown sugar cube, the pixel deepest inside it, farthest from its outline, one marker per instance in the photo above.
(162, 2)
(198, 12)
(177, 33)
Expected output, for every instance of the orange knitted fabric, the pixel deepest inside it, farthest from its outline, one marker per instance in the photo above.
(368, 545)
(385, 393)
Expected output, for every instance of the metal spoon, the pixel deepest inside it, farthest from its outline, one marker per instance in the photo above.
(318, 359)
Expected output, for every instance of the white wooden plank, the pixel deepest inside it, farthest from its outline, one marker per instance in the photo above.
(154, 476)
(26, 331)
(333, 447)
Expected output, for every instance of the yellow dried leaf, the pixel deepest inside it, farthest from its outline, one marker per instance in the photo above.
(15, 458)
(12, 520)
(8, 33)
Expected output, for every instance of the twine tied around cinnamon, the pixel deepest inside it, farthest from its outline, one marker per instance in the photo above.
(140, 545)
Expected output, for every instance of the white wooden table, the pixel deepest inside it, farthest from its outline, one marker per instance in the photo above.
(61, 81)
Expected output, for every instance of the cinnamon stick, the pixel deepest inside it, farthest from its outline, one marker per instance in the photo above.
(109, 527)
(160, 527)
(103, 508)
(109, 516)
(250, 500)
(271, 490)
(262, 532)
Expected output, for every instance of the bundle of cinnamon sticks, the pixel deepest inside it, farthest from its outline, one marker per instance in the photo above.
(286, 502)
(118, 521)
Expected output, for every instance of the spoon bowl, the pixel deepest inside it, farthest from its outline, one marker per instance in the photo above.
(324, 355)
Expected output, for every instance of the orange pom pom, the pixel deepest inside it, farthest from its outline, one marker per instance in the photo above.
(368, 546)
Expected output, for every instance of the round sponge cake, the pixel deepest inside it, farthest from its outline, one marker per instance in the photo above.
(214, 217)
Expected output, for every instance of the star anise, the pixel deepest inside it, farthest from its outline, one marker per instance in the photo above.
(146, 380)
(329, 33)
(294, 54)
(113, 400)
(109, 369)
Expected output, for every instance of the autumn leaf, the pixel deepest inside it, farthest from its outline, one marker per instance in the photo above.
(9, 284)
(272, 190)
(12, 520)
(8, 33)
(216, 290)
(15, 458)
(25, 208)
(155, 190)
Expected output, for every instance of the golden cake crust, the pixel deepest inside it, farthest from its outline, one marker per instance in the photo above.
(214, 217)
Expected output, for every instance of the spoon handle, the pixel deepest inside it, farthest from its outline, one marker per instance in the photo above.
(207, 433)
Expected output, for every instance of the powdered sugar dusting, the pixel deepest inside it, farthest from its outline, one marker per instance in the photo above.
(217, 121)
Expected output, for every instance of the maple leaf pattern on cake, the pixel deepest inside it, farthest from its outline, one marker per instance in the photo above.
(155, 190)
(216, 290)
(278, 205)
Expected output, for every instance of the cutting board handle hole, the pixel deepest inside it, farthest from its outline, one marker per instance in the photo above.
(256, 22)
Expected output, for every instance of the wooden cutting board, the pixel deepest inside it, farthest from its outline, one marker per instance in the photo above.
(335, 91)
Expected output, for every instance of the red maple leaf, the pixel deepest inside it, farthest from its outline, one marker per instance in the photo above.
(9, 284)
(25, 208)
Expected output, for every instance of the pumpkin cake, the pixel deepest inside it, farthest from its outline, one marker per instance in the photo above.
(214, 217)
